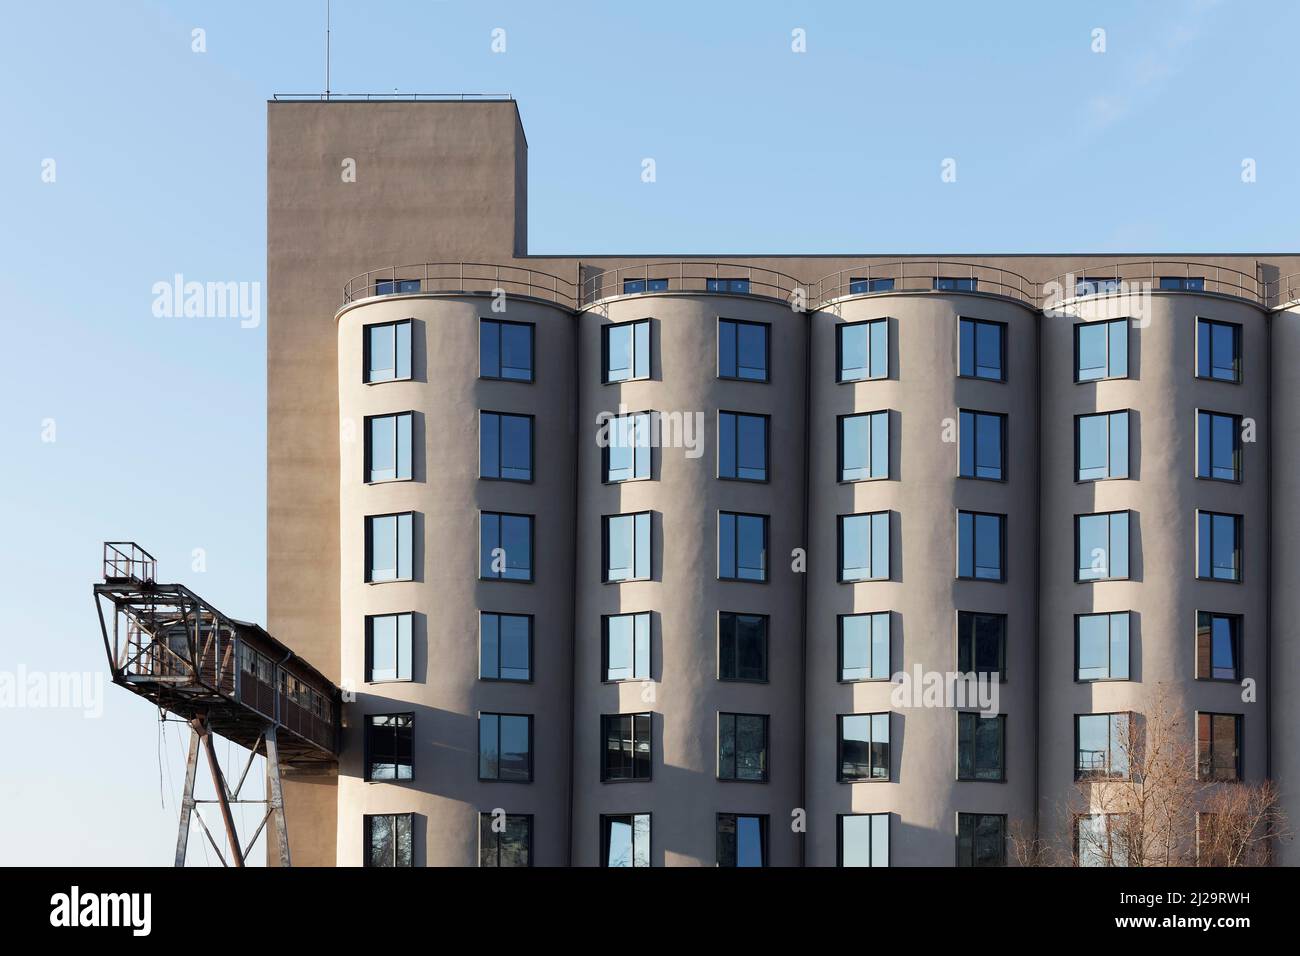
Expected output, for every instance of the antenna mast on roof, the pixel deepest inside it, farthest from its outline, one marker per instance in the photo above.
(327, 49)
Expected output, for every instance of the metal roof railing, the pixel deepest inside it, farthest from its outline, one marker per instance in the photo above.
(1193, 276)
(465, 278)
(919, 275)
(1279, 292)
(690, 276)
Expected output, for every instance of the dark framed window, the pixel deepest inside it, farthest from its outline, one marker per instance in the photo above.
(505, 646)
(388, 647)
(626, 351)
(1100, 350)
(862, 839)
(389, 839)
(981, 839)
(864, 547)
(626, 542)
(388, 745)
(1101, 746)
(1101, 546)
(742, 747)
(737, 286)
(954, 284)
(505, 546)
(982, 350)
(1101, 839)
(387, 349)
(1101, 646)
(859, 286)
(982, 445)
(742, 839)
(625, 839)
(1218, 746)
(742, 547)
(864, 646)
(744, 350)
(862, 350)
(864, 446)
(982, 643)
(981, 546)
(629, 443)
(505, 747)
(863, 747)
(742, 446)
(396, 286)
(626, 748)
(1218, 446)
(388, 447)
(981, 746)
(388, 547)
(1097, 285)
(1218, 546)
(1218, 350)
(505, 350)
(1218, 646)
(1182, 283)
(1101, 446)
(625, 650)
(505, 839)
(632, 286)
(742, 646)
(505, 446)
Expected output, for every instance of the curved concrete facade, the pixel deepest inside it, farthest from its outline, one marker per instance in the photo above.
(446, 494)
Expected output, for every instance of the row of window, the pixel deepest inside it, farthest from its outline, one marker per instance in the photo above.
(1104, 745)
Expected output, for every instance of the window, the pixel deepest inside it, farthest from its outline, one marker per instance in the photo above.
(628, 442)
(864, 646)
(626, 751)
(626, 653)
(505, 547)
(388, 447)
(742, 840)
(1182, 283)
(627, 547)
(631, 286)
(981, 745)
(1218, 646)
(627, 351)
(396, 286)
(1092, 285)
(863, 747)
(742, 747)
(505, 446)
(981, 839)
(505, 350)
(1101, 646)
(982, 643)
(505, 839)
(742, 446)
(1100, 350)
(1101, 746)
(739, 286)
(743, 350)
(1218, 446)
(863, 350)
(1102, 546)
(859, 286)
(1218, 350)
(388, 647)
(388, 547)
(1101, 446)
(949, 284)
(864, 547)
(387, 350)
(980, 546)
(505, 747)
(625, 839)
(982, 350)
(505, 646)
(1218, 746)
(388, 747)
(982, 445)
(742, 547)
(1218, 546)
(862, 839)
(864, 446)
(742, 646)
(1101, 839)
(388, 839)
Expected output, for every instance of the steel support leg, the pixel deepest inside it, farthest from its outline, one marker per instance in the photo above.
(219, 781)
(187, 798)
(275, 796)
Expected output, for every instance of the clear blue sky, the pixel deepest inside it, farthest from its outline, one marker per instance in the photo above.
(159, 424)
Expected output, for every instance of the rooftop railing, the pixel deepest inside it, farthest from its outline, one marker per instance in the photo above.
(920, 275)
(467, 278)
(1156, 275)
(1282, 291)
(127, 561)
(690, 276)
